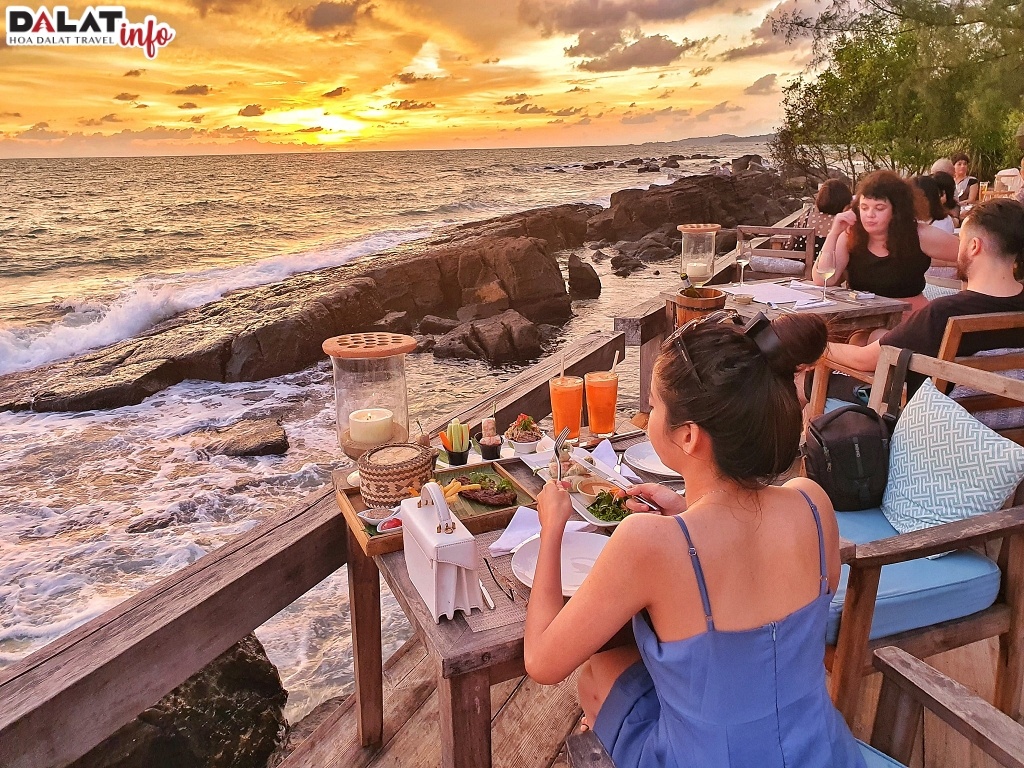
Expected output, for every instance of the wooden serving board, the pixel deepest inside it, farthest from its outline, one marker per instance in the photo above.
(478, 518)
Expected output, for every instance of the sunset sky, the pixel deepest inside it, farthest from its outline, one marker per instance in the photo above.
(287, 75)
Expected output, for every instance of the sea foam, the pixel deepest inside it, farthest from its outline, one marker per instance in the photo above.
(92, 323)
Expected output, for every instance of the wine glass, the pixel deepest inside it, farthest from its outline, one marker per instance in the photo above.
(825, 266)
(743, 256)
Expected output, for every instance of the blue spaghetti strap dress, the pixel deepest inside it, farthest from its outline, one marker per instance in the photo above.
(749, 699)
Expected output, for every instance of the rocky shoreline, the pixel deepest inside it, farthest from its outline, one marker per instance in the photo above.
(485, 289)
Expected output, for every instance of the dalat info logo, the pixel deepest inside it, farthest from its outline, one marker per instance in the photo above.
(104, 25)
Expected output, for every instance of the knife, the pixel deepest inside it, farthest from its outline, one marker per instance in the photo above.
(615, 479)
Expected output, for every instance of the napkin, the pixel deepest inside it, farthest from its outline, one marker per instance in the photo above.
(803, 284)
(524, 524)
(813, 304)
(606, 454)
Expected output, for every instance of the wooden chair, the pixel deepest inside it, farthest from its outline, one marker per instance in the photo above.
(850, 659)
(777, 242)
(956, 329)
(909, 686)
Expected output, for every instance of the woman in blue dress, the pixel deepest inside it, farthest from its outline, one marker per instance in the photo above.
(728, 591)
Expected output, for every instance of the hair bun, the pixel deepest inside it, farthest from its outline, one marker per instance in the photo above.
(801, 340)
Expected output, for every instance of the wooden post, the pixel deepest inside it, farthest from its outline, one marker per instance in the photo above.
(464, 702)
(852, 644)
(364, 615)
(1010, 664)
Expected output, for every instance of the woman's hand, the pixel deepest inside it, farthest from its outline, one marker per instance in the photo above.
(671, 503)
(554, 506)
(843, 221)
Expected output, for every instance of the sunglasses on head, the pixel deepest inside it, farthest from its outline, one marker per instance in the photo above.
(759, 329)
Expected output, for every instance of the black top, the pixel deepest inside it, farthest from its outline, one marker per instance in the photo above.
(896, 276)
(922, 332)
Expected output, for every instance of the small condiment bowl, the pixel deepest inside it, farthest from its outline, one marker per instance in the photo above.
(589, 487)
(742, 298)
(368, 515)
(523, 448)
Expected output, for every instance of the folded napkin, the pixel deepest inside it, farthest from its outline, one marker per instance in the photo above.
(606, 454)
(524, 524)
(803, 284)
(813, 304)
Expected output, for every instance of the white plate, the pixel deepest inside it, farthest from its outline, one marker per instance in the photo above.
(642, 456)
(579, 552)
(580, 504)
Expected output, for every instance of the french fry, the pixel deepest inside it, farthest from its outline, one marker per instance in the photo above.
(470, 487)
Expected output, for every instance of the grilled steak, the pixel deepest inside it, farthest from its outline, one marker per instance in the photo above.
(491, 498)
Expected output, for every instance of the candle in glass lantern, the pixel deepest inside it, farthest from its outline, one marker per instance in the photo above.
(371, 426)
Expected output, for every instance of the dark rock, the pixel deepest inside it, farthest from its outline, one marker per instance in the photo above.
(548, 332)
(626, 248)
(743, 162)
(394, 322)
(725, 241)
(583, 279)
(473, 312)
(508, 337)
(228, 715)
(723, 200)
(433, 324)
(654, 251)
(670, 163)
(591, 166)
(598, 256)
(250, 437)
(425, 343)
(624, 265)
(648, 168)
(634, 161)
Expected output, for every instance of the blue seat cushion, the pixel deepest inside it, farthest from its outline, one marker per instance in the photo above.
(875, 759)
(917, 593)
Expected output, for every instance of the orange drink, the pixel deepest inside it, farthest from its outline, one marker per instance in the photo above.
(567, 404)
(602, 397)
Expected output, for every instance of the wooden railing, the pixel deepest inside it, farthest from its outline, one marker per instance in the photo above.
(66, 698)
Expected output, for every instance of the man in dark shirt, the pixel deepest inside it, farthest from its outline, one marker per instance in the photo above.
(991, 245)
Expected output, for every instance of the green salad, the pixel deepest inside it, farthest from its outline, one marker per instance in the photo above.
(608, 508)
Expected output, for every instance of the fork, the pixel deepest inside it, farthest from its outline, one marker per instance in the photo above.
(559, 442)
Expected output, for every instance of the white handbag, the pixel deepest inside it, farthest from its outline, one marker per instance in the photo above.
(440, 554)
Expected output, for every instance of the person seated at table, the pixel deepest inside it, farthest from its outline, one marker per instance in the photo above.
(931, 210)
(991, 246)
(967, 186)
(947, 189)
(833, 197)
(728, 592)
(880, 244)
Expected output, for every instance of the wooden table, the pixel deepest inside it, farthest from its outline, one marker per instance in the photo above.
(844, 317)
(647, 324)
(467, 663)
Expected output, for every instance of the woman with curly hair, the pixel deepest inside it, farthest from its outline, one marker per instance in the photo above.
(880, 244)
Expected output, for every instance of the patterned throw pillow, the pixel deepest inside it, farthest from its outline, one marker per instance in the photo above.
(945, 465)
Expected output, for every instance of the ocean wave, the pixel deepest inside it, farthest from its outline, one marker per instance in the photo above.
(90, 324)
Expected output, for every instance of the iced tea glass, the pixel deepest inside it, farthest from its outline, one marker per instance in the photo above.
(602, 397)
(567, 404)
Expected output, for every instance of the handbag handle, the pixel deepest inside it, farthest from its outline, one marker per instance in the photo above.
(432, 496)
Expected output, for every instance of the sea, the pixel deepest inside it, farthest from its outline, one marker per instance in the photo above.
(97, 250)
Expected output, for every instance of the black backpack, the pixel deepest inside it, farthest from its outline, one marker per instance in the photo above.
(847, 450)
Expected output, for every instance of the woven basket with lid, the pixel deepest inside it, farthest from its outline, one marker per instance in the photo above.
(385, 472)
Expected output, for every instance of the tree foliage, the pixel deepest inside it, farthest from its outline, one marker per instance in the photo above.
(899, 83)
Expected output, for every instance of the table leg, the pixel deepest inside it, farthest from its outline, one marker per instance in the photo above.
(464, 702)
(364, 614)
